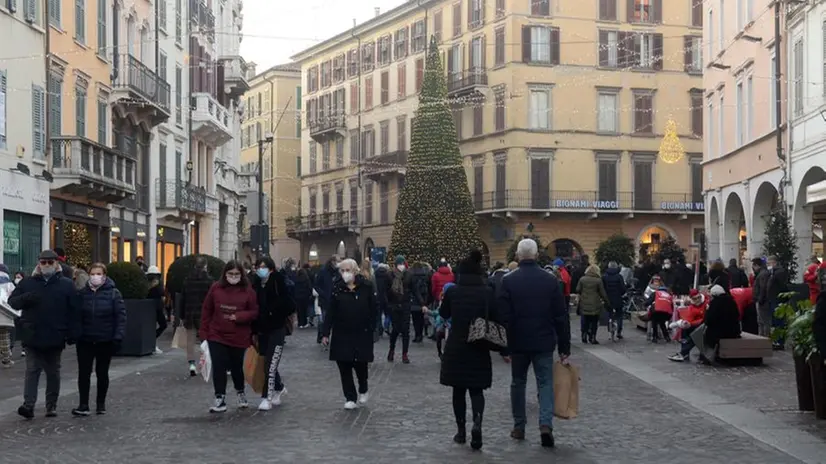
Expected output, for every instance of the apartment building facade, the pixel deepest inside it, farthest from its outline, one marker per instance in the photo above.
(272, 107)
(560, 108)
(24, 190)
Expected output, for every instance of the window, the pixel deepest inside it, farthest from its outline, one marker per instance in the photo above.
(80, 112)
(749, 11)
(385, 88)
(4, 89)
(384, 137)
(710, 30)
(721, 121)
(740, 15)
(499, 111)
(354, 97)
(312, 79)
(178, 23)
(740, 114)
(540, 44)
(476, 60)
(500, 179)
(696, 178)
(325, 199)
(162, 15)
(326, 74)
(368, 202)
(354, 203)
(455, 63)
(696, 97)
(457, 19)
(353, 62)
(648, 51)
(313, 203)
(457, 121)
(38, 119)
(499, 53)
(354, 146)
(712, 127)
(607, 176)
(540, 179)
(313, 159)
(773, 93)
(478, 118)
(437, 26)
(338, 68)
(643, 184)
(339, 152)
(103, 105)
(401, 133)
(539, 108)
(540, 7)
(267, 104)
(749, 123)
(384, 50)
(419, 74)
(162, 62)
(325, 156)
(722, 26)
(402, 81)
(384, 202)
(419, 40)
(55, 90)
(476, 13)
(368, 143)
(479, 182)
(400, 43)
(608, 112)
(368, 92)
(339, 197)
(697, 13)
(609, 48)
(693, 53)
(645, 11)
(608, 10)
(797, 58)
(500, 9)
(368, 57)
(54, 12)
(102, 27)
(179, 85)
(643, 113)
(80, 21)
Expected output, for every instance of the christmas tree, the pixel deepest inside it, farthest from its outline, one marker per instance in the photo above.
(781, 239)
(435, 218)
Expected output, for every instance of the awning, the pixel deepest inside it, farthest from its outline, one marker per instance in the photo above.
(816, 194)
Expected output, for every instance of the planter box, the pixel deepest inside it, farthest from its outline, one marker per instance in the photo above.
(803, 379)
(818, 374)
(141, 322)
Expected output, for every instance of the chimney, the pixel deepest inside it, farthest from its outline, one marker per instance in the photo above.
(378, 11)
(251, 69)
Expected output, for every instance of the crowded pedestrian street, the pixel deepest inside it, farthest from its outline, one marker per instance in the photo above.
(158, 414)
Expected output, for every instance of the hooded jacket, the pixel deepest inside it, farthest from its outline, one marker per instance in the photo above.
(102, 314)
(49, 311)
(592, 295)
(442, 276)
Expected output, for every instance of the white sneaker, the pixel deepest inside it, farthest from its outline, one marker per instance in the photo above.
(363, 398)
(265, 405)
(158, 350)
(350, 405)
(276, 396)
(220, 405)
(242, 400)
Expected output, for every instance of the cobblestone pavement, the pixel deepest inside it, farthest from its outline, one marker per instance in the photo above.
(159, 415)
(769, 388)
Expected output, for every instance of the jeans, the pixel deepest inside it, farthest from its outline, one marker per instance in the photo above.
(98, 355)
(347, 385)
(400, 317)
(38, 361)
(687, 343)
(272, 347)
(226, 358)
(543, 367)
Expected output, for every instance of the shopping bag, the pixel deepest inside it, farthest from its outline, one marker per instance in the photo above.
(179, 339)
(254, 369)
(566, 390)
(205, 362)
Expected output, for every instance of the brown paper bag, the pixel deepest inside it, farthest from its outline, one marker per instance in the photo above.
(566, 391)
(179, 339)
(254, 369)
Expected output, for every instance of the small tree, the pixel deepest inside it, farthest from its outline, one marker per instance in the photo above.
(781, 239)
(669, 249)
(129, 279)
(181, 267)
(619, 248)
(543, 259)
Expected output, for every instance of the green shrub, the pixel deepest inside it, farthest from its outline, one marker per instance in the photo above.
(129, 279)
(182, 267)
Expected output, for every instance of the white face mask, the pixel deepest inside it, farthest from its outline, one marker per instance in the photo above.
(400, 267)
(348, 277)
(17, 281)
(97, 280)
(233, 280)
(667, 265)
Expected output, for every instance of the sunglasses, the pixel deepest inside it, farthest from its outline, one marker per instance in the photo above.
(46, 262)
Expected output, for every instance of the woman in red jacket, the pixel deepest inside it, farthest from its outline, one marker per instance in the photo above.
(812, 278)
(229, 309)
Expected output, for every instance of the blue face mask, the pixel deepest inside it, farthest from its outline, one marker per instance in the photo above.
(263, 273)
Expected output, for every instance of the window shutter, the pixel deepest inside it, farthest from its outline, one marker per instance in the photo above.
(638, 110)
(526, 44)
(658, 51)
(5, 94)
(658, 11)
(622, 49)
(30, 11)
(38, 140)
(470, 23)
(603, 47)
(649, 114)
(484, 52)
(554, 36)
(102, 122)
(408, 41)
(450, 69)
(419, 74)
(603, 9)
(687, 52)
(630, 10)
(697, 13)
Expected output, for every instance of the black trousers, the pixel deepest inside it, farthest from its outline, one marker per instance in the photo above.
(591, 325)
(272, 347)
(418, 322)
(347, 385)
(477, 403)
(160, 315)
(658, 324)
(99, 356)
(400, 317)
(226, 358)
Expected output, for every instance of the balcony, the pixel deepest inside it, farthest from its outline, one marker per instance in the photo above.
(327, 127)
(202, 18)
(179, 200)
(323, 223)
(85, 168)
(235, 75)
(137, 89)
(211, 122)
(466, 83)
(508, 201)
(388, 164)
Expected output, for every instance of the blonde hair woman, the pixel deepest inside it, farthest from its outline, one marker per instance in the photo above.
(367, 270)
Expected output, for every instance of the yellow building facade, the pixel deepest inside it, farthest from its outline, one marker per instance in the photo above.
(560, 110)
(272, 107)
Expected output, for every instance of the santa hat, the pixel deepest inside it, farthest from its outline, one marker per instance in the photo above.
(693, 293)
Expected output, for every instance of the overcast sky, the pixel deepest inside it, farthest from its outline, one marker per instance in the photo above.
(274, 30)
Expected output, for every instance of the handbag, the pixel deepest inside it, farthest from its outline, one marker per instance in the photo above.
(487, 333)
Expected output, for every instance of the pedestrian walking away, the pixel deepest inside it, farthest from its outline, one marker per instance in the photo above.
(592, 300)
(196, 286)
(398, 296)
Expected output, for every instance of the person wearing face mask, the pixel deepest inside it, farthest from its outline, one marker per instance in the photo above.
(230, 308)
(103, 325)
(399, 298)
(350, 321)
(274, 309)
(49, 319)
(7, 317)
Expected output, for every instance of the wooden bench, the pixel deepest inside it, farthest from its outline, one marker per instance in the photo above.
(748, 348)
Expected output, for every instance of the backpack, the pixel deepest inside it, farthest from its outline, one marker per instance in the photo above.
(821, 277)
(398, 284)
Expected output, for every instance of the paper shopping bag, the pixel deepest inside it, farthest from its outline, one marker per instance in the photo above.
(205, 362)
(179, 339)
(254, 369)
(566, 391)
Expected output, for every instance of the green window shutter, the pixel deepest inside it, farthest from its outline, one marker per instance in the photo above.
(30, 10)
(4, 103)
(38, 122)
(56, 99)
(80, 112)
(80, 20)
(102, 117)
(102, 27)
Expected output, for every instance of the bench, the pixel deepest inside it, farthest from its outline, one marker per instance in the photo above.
(749, 348)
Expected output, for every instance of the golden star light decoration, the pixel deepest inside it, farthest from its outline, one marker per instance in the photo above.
(671, 150)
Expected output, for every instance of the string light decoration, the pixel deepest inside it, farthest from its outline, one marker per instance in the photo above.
(671, 149)
(78, 245)
(435, 217)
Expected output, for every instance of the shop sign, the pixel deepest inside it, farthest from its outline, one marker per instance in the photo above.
(587, 204)
(683, 206)
(11, 237)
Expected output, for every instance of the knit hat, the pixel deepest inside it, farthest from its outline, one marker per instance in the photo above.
(4, 268)
(399, 259)
(559, 262)
(717, 291)
(48, 255)
(693, 292)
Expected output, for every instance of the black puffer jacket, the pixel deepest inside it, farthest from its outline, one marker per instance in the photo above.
(614, 287)
(722, 320)
(274, 303)
(351, 320)
(196, 287)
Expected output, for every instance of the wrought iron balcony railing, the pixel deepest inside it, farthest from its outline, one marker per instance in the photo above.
(88, 168)
(142, 82)
(180, 195)
(562, 200)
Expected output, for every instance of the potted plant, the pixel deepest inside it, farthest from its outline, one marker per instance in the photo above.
(798, 317)
(141, 315)
(801, 333)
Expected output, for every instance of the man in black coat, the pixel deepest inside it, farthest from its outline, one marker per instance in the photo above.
(50, 318)
(419, 298)
(196, 287)
(615, 289)
(533, 309)
(778, 284)
(737, 277)
(325, 281)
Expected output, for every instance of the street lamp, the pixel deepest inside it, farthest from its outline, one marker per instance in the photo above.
(262, 235)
